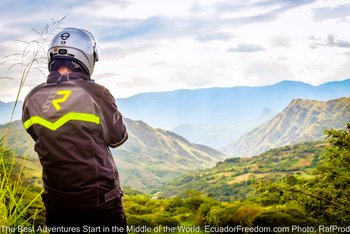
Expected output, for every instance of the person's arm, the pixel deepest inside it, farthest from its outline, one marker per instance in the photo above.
(116, 133)
(25, 117)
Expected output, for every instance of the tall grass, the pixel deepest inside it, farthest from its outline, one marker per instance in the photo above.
(17, 198)
(31, 58)
(14, 191)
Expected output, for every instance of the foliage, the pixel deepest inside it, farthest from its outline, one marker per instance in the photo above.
(32, 57)
(20, 205)
(196, 209)
(291, 199)
(325, 197)
(19, 199)
(301, 185)
(200, 210)
(282, 217)
(232, 179)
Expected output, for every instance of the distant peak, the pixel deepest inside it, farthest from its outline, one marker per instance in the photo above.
(336, 83)
(297, 100)
(292, 82)
(303, 102)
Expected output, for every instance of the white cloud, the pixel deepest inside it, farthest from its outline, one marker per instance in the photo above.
(246, 48)
(155, 45)
(333, 41)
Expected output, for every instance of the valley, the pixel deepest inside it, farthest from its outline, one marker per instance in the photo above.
(272, 173)
(232, 178)
(152, 157)
(146, 161)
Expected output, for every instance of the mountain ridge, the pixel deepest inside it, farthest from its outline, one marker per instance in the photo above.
(221, 107)
(228, 112)
(146, 161)
(302, 120)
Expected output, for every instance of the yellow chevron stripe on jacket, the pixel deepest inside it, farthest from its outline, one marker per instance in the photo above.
(61, 121)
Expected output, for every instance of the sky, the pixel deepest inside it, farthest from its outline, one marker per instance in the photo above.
(162, 45)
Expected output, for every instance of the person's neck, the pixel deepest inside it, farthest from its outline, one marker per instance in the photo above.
(64, 70)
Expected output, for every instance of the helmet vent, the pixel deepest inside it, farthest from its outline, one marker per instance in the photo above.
(62, 51)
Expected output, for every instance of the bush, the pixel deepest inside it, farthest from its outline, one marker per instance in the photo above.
(223, 215)
(139, 220)
(193, 203)
(166, 221)
(282, 217)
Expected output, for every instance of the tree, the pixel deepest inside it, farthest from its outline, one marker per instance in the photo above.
(333, 180)
(282, 217)
(325, 197)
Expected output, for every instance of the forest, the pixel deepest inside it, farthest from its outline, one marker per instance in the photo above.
(289, 202)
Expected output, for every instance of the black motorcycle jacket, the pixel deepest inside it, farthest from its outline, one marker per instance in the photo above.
(73, 122)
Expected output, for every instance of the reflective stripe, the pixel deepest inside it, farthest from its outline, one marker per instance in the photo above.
(61, 121)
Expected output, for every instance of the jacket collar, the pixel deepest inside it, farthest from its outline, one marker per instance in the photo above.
(55, 77)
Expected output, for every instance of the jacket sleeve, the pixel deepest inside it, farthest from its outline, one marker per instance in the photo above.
(116, 133)
(25, 117)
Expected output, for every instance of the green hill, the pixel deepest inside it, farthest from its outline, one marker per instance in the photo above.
(18, 140)
(293, 192)
(153, 156)
(231, 179)
(300, 121)
(147, 160)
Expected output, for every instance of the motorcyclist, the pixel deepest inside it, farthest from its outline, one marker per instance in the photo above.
(73, 122)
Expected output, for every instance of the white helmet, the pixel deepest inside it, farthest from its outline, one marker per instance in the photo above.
(76, 45)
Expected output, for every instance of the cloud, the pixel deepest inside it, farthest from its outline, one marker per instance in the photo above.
(246, 48)
(333, 42)
(326, 13)
(330, 41)
(192, 76)
(280, 41)
(161, 45)
(101, 4)
(253, 10)
(135, 81)
(215, 36)
(161, 64)
(260, 71)
(152, 27)
(203, 27)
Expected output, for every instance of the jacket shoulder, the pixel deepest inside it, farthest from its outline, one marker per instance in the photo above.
(34, 90)
(90, 87)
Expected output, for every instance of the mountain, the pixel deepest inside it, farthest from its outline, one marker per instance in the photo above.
(152, 156)
(6, 111)
(218, 136)
(147, 160)
(215, 116)
(208, 111)
(217, 106)
(230, 179)
(213, 135)
(17, 139)
(302, 120)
